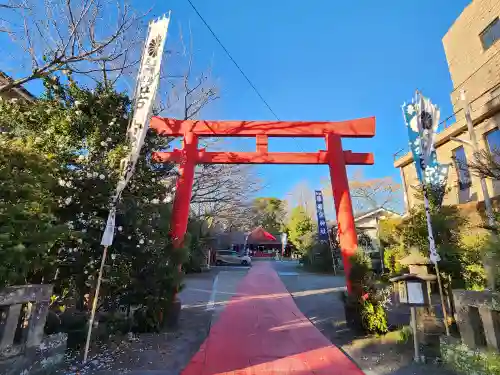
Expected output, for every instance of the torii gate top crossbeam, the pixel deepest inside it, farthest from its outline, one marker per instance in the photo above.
(358, 128)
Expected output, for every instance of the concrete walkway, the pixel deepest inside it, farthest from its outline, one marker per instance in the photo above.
(261, 331)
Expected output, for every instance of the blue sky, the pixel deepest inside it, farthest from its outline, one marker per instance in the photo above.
(323, 60)
(320, 60)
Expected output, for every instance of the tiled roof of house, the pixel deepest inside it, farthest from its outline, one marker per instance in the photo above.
(19, 91)
(364, 214)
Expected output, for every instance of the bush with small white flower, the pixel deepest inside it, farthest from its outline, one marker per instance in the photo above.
(60, 163)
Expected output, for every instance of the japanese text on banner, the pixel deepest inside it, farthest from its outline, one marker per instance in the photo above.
(320, 212)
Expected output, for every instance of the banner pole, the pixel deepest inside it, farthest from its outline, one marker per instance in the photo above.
(94, 304)
(435, 261)
(145, 92)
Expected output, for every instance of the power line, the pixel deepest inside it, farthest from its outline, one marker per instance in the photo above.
(239, 68)
(234, 61)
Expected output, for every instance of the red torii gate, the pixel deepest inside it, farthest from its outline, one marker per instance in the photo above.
(334, 156)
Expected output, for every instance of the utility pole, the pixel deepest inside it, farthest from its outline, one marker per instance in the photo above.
(475, 148)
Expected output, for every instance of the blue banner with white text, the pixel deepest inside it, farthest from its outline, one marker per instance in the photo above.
(320, 212)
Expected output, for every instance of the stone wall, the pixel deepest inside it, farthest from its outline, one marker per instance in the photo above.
(24, 312)
(478, 318)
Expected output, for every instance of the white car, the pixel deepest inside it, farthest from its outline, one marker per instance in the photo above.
(232, 257)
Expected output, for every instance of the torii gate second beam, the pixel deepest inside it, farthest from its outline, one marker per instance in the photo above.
(334, 156)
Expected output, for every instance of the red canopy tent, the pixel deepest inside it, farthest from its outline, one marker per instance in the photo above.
(260, 235)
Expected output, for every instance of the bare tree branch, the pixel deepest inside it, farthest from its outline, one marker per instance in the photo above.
(372, 193)
(485, 164)
(80, 37)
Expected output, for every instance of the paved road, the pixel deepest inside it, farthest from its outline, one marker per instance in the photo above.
(261, 331)
(318, 296)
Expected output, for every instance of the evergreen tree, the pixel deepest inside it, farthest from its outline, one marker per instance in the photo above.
(301, 229)
(79, 137)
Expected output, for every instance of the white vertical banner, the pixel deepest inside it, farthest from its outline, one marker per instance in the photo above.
(144, 96)
(283, 239)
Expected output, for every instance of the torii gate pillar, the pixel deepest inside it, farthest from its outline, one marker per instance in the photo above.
(183, 189)
(343, 205)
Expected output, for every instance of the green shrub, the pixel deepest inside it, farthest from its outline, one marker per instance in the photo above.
(405, 334)
(475, 277)
(373, 317)
(114, 323)
(387, 231)
(392, 256)
(196, 256)
(52, 324)
(474, 247)
(461, 247)
(305, 260)
(74, 323)
(361, 271)
(366, 299)
(464, 360)
(319, 258)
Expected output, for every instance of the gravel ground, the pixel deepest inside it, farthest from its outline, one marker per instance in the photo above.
(165, 353)
(318, 296)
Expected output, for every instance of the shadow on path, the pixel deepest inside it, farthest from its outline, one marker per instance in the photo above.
(261, 331)
(318, 297)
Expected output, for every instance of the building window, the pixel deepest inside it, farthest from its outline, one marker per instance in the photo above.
(493, 140)
(463, 174)
(491, 34)
(493, 143)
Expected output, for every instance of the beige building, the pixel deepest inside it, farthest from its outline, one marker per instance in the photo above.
(472, 47)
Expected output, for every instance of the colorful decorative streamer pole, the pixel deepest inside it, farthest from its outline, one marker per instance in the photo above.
(422, 118)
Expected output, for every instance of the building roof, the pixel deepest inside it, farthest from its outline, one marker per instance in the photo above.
(19, 91)
(363, 215)
(258, 236)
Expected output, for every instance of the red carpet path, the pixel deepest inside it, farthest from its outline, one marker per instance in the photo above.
(261, 331)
